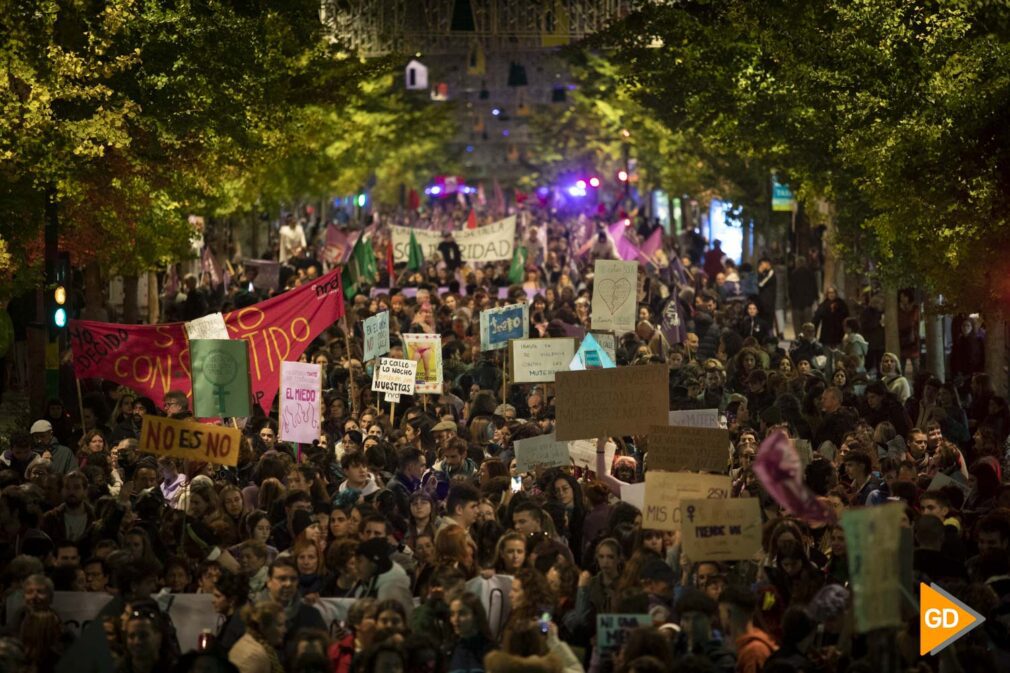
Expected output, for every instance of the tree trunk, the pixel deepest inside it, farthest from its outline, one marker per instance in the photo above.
(995, 350)
(94, 295)
(746, 253)
(934, 342)
(131, 312)
(153, 309)
(891, 342)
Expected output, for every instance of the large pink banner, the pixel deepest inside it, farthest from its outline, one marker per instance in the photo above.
(154, 359)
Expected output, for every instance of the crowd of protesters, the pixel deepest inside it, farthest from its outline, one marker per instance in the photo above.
(456, 562)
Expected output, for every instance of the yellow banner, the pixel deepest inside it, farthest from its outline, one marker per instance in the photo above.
(190, 440)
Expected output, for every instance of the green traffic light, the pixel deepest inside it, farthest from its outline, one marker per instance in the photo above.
(60, 317)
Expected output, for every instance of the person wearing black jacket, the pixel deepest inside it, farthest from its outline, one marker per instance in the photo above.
(410, 467)
(802, 292)
(449, 249)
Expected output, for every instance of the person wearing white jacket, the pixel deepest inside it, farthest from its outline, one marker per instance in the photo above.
(379, 576)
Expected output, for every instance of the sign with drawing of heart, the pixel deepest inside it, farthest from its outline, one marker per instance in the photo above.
(614, 285)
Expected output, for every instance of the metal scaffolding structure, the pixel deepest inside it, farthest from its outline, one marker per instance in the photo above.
(377, 27)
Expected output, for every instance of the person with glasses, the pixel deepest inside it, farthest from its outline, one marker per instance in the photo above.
(176, 405)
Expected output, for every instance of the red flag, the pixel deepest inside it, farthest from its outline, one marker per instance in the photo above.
(413, 200)
(471, 220)
(389, 263)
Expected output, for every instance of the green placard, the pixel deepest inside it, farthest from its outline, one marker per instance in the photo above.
(220, 378)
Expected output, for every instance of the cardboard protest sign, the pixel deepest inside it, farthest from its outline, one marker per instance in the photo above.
(614, 303)
(941, 480)
(499, 325)
(634, 494)
(426, 351)
(210, 326)
(542, 451)
(607, 342)
(301, 400)
(695, 418)
(721, 529)
(611, 402)
(490, 243)
(189, 440)
(220, 377)
(376, 329)
(583, 453)
(154, 359)
(873, 543)
(590, 356)
(683, 448)
(613, 629)
(537, 360)
(395, 377)
(777, 467)
(665, 490)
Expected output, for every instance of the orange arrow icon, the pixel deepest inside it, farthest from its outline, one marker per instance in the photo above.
(942, 619)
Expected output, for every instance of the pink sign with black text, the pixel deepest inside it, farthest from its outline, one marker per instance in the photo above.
(301, 396)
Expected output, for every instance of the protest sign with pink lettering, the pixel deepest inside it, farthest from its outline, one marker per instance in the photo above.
(301, 395)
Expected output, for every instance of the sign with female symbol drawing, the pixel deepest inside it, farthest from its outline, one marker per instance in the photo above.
(220, 378)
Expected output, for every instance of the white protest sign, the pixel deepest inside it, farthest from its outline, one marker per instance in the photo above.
(537, 360)
(607, 342)
(634, 494)
(614, 302)
(376, 331)
(300, 400)
(490, 243)
(721, 529)
(583, 453)
(695, 418)
(395, 377)
(665, 490)
(542, 451)
(210, 326)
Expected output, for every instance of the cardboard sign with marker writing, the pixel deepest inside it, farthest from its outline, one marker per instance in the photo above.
(611, 402)
(189, 440)
(695, 418)
(684, 448)
(721, 529)
(538, 360)
(376, 329)
(665, 490)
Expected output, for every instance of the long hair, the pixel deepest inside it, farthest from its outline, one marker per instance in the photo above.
(454, 547)
(476, 607)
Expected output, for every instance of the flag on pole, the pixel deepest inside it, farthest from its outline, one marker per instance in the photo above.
(361, 267)
(518, 268)
(471, 220)
(415, 255)
(389, 263)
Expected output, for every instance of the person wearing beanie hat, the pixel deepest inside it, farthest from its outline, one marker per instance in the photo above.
(63, 459)
(379, 577)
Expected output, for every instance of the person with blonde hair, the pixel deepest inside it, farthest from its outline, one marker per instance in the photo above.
(256, 650)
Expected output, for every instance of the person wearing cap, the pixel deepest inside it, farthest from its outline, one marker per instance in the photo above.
(63, 459)
(379, 576)
(443, 431)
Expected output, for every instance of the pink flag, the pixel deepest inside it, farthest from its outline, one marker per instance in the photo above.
(779, 470)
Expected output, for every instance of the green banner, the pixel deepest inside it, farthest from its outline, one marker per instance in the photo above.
(220, 378)
(782, 197)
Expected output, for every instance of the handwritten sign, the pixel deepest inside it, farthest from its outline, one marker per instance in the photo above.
(615, 302)
(611, 402)
(542, 451)
(721, 529)
(301, 398)
(210, 326)
(220, 378)
(537, 360)
(683, 448)
(583, 453)
(426, 351)
(499, 325)
(613, 629)
(873, 544)
(189, 440)
(395, 377)
(695, 418)
(665, 490)
(376, 331)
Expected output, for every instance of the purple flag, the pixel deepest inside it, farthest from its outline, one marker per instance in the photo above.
(672, 324)
(652, 243)
(779, 470)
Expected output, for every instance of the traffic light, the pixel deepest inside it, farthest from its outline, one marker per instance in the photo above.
(58, 295)
(60, 307)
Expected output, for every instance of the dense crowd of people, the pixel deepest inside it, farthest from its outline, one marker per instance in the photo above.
(451, 559)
